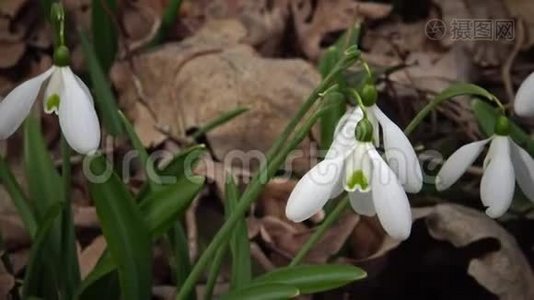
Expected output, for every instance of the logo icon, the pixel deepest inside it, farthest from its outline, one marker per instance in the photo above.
(435, 29)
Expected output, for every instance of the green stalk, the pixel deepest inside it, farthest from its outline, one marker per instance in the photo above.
(455, 90)
(214, 271)
(70, 261)
(320, 231)
(250, 194)
(19, 199)
(275, 157)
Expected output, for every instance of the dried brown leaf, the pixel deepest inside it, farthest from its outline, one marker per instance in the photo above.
(506, 272)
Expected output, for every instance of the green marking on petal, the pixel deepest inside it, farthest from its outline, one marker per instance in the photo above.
(52, 103)
(358, 179)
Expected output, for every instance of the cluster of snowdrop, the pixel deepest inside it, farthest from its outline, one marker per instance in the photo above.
(378, 186)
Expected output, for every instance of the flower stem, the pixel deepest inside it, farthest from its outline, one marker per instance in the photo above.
(320, 231)
(455, 90)
(70, 262)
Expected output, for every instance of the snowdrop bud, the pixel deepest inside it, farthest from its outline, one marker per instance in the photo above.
(369, 94)
(364, 131)
(61, 56)
(502, 126)
(524, 98)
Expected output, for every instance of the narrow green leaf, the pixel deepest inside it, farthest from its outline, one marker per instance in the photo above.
(177, 168)
(169, 18)
(313, 278)
(220, 120)
(44, 182)
(337, 106)
(239, 243)
(179, 244)
(134, 138)
(17, 196)
(162, 208)
(213, 272)
(33, 276)
(104, 98)
(184, 162)
(334, 112)
(126, 233)
(45, 191)
(104, 29)
(486, 116)
(267, 291)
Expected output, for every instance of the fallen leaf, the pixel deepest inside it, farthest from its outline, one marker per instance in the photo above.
(90, 256)
(187, 84)
(506, 272)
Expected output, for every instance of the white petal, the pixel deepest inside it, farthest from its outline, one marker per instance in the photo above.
(458, 163)
(400, 154)
(524, 169)
(498, 182)
(17, 104)
(524, 98)
(358, 168)
(362, 203)
(77, 116)
(390, 200)
(344, 136)
(313, 190)
(53, 87)
(84, 87)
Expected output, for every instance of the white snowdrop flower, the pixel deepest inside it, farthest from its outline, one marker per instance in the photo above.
(354, 165)
(505, 163)
(400, 155)
(524, 98)
(65, 95)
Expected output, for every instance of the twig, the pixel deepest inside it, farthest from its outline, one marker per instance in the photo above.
(192, 231)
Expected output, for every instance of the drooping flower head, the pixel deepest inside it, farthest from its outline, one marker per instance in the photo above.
(505, 163)
(65, 95)
(524, 98)
(353, 164)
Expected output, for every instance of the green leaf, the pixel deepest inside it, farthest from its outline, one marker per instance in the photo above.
(313, 279)
(486, 116)
(45, 191)
(17, 196)
(169, 18)
(104, 98)
(220, 120)
(126, 233)
(267, 291)
(134, 138)
(334, 112)
(44, 183)
(104, 29)
(33, 276)
(239, 243)
(180, 247)
(336, 106)
(178, 167)
(162, 208)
